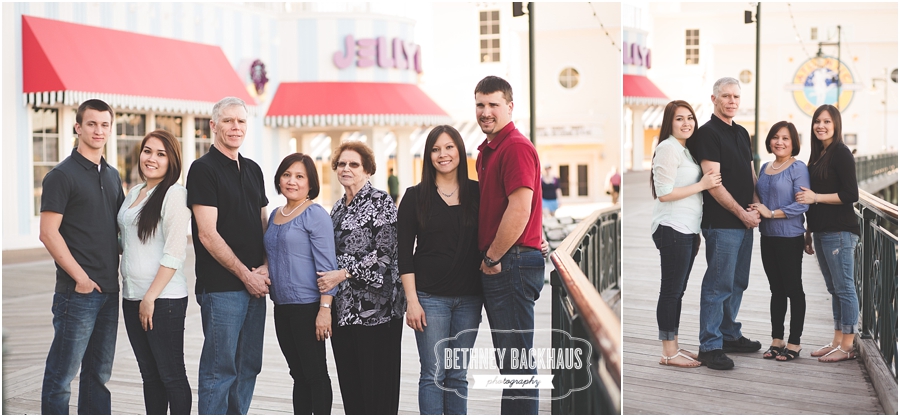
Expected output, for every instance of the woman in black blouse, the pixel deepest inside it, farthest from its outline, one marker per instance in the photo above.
(369, 305)
(441, 279)
(832, 225)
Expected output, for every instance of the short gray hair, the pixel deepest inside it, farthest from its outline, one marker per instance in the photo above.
(722, 82)
(226, 103)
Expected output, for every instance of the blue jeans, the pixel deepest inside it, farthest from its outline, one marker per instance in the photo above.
(233, 325)
(160, 354)
(84, 336)
(441, 390)
(676, 259)
(509, 298)
(834, 251)
(727, 276)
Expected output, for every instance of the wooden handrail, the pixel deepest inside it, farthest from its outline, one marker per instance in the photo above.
(600, 320)
(875, 203)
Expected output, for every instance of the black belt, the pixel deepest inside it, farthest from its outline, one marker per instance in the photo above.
(520, 249)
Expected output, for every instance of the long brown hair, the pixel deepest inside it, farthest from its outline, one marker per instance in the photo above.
(151, 214)
(820, 170)
(665, 130)
(427, 187)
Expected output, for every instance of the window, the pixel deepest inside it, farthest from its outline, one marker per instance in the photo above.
(564, 180)
(489, 21)
(130, 131)
(813, 34)
(202, 136)
(568, 78)
(45, 148)
(171, 124)
(692, 46)
(582, 180)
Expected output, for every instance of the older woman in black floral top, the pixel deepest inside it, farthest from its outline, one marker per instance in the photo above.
(370, 302)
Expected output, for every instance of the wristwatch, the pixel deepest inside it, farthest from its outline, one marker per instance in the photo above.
(490, 262)
(346, 274)
(326, 305)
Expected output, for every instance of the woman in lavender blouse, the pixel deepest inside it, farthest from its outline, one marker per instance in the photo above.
(299, 244)
(782, 240)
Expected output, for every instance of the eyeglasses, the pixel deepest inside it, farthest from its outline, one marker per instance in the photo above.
(353, 165)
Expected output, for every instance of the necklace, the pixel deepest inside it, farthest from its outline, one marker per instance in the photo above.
(447, 195)
(295, 208)
(782, 164)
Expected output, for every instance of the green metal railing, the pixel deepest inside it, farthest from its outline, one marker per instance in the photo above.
(870, 166)
(587, 264)
(876, 274)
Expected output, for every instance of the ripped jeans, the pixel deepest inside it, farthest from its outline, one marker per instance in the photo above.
(834, 251)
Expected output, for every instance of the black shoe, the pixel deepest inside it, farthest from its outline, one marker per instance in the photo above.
(742, 345)
(715, 359)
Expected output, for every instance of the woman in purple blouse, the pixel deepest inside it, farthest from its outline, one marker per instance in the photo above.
(782, 241)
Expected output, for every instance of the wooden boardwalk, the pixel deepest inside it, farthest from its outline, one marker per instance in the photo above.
(27, 295)
(755, 385)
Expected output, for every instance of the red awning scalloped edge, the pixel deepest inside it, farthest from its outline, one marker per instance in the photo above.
(310, 104)
(639, 90)
(55, 71)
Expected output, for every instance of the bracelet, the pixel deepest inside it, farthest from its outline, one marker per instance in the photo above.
(815, 198)
(325, 305)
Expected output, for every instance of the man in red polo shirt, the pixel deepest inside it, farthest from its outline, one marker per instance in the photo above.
(509, 233)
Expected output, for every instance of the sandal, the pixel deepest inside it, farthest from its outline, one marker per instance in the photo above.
(688, 353)
(840, 357)
(665, 361)
(822, 351)
(788, 355)
(772, 352)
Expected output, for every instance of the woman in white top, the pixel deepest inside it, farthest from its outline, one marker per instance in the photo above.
(676, 182)
(153, 223)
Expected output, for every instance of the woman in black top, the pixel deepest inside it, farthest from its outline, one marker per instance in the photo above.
(441, 279)
(831, 224)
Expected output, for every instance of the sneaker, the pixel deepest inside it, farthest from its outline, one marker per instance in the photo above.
(742, 345)
(715, 359)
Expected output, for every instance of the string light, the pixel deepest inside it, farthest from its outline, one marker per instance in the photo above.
(613, 41)
(796, 32)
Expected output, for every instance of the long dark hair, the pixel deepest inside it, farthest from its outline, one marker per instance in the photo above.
(151, 214)
(426, 188)
(665, 130)
(818, 163)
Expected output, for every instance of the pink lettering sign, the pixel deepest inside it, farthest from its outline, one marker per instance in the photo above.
(635, 54)
(394, 53)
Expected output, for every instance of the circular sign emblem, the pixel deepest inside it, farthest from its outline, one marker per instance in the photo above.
(815, 83)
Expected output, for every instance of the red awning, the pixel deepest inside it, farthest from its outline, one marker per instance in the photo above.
(307, 104)
(638, 89)
(67, 62)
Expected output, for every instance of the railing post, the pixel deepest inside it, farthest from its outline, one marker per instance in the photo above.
(866, 280)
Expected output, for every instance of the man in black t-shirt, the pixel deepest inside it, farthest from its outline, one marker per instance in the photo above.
(81, 197)
(226, 193)
(727, 226)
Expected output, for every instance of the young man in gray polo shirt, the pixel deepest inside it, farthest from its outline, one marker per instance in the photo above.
(81, 197)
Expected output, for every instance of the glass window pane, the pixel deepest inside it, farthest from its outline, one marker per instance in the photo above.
(484, 44)
(496, 56)
(171, 124)
(495, 15)
(564, 180)
(582, 180)
(495, 28)
(484, 29)
(482, 16)
(495, 43)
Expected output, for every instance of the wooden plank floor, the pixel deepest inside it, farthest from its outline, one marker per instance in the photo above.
(26, 320)
(755, 385)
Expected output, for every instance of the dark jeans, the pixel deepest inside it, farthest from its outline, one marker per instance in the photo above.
(84, 336)
(509, 298)
(368, 365)
(295, 327)
(677, 252)
(160, 354)
(782, 257)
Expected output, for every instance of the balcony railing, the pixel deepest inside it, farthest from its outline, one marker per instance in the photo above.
(870, 166)
(876, 274)
(587, 264)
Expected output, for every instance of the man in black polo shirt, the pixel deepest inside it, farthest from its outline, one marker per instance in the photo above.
(81, 197)
(227, 196)
(727, 226)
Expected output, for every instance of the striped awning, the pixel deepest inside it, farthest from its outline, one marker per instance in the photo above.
(639, 90)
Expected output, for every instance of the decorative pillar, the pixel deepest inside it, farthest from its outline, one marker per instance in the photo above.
(188, 144)
(637, 142)
(405, 167)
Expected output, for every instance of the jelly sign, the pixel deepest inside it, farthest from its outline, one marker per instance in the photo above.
(386, 54)
(636, 54)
